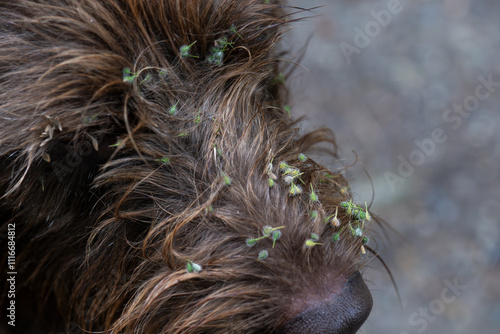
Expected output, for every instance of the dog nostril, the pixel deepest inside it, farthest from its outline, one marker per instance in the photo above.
(343, 314)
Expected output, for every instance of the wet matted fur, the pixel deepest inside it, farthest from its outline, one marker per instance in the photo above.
(140, 136)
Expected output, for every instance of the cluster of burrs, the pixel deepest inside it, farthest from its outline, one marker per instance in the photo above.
(273, 233)
(290, 176)
(216, 53)
(356, 224)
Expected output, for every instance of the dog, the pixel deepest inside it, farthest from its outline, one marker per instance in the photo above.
(153, 181)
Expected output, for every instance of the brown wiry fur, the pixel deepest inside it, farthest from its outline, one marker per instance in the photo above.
(102, 223)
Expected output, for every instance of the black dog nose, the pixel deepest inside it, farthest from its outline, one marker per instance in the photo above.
(343, 314)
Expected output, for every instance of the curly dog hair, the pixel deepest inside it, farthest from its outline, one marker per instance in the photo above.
(153, 181)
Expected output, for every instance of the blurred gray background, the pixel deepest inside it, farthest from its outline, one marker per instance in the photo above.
(413, 87)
